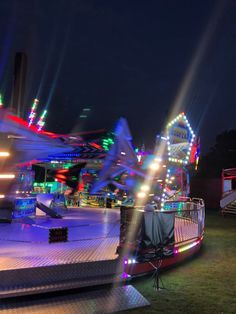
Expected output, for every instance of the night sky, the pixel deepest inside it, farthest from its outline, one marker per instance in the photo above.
(143, 60)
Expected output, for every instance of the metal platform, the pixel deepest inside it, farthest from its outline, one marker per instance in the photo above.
(29, 264)
(98, 301)
(82, 224)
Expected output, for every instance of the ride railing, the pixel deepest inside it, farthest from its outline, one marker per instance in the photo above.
(180, 222)
(189, 218)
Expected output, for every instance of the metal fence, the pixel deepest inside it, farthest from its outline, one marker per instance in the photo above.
(189, 221)
(188, 215)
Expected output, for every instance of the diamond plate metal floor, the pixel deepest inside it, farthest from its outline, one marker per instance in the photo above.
(82, 224)
(29, 264)
(98, 301)
(28, 261)
(93, 236)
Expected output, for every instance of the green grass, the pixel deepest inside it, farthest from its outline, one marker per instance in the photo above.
(203, 284)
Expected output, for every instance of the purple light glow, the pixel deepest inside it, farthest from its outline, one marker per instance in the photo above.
(125, 276)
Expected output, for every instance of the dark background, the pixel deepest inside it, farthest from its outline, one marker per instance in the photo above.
(144, 60)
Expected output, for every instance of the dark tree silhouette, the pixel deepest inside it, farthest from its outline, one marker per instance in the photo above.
(221, 155)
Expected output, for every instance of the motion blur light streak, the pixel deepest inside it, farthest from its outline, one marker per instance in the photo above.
(145, 188)
(32, 114)
(4, 154)
(41, 122)
(7, 176)
(188, 81)
(141, 195)
(55, 21)
(59, 66)
(154, 166)
(1, 102)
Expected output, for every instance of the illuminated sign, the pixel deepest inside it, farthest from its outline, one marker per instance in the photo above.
(24, 207)
(180, 138)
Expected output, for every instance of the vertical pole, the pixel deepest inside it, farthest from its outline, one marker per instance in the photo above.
(222, 188)
(222, 182)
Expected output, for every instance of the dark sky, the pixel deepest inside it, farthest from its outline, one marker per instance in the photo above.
(142, 60)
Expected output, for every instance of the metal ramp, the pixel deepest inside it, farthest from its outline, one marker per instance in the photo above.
(106, 300)
(228, 203)
(52, 212)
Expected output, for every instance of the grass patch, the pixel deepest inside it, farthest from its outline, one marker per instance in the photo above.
(204, 284)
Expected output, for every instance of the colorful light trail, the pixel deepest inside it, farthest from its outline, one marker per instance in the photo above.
(41, 122)
(32, 114)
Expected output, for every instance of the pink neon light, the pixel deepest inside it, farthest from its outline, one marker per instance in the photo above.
(31, 127)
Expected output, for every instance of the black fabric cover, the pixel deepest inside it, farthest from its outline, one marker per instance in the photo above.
(157, 229)
(151, 236)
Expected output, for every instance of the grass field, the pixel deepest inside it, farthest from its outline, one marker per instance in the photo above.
(204, 284)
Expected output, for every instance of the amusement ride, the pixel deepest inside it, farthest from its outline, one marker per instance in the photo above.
(155, 225)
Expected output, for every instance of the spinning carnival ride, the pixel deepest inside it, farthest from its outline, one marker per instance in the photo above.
(22, 146)
(167, 225)
(164, 227)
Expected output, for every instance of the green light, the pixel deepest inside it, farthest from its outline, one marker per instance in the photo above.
(107, 142)
(67, 165)
(44, 113)
(1, 102)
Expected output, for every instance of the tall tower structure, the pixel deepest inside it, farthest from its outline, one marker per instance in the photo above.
(18, 90)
